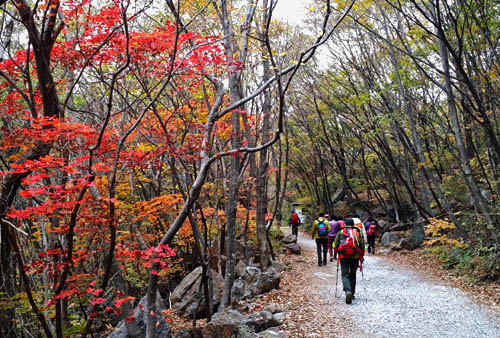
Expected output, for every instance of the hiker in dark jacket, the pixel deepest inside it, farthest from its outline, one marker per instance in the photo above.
(371, 231)
(349, 247)
(319, 226)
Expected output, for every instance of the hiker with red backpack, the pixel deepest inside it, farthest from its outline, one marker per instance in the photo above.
(349, 247)
(371, 231)
(319, 232)
(295, 222)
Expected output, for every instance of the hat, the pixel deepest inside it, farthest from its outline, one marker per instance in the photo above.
(356, 220)
(349, 222)
(327, 216)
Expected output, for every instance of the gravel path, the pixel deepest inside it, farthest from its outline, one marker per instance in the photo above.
(392, 301)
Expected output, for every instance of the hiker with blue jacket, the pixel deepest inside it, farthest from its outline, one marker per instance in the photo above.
(349, 247)
(319, 232)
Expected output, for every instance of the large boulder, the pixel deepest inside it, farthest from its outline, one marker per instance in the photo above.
(266, 281)
(186, 295)
(293, 248)
(162, 328)
(229, 323)
(238, 290)
(388, 238)
(255, 282)
(288, 239)
(262, 320)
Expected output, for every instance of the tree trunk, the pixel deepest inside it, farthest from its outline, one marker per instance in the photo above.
(452, 110)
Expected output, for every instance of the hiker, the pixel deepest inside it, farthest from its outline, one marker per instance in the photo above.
(358, 224)
(335, 225)
(319, 232)
(294, 223)
(349, 247)
(371, 232)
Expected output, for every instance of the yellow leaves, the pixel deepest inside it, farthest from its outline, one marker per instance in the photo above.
(439, 228)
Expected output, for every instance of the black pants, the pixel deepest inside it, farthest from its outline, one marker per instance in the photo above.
(295, 230)
(321, 246)
(348, 266)
(371, 244)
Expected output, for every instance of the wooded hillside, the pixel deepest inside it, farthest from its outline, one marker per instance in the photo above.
(140, 140)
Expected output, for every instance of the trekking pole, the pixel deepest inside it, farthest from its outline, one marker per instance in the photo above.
(336, 279)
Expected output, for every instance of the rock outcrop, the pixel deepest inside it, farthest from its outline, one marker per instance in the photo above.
(186, 295)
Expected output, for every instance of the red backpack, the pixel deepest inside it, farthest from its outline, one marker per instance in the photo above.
(372, 230)
(350, 243)
(295, 219)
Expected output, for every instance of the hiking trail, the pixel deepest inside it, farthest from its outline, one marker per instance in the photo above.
(391, 301)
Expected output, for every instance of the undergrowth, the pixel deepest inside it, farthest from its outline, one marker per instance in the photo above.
(476, 258)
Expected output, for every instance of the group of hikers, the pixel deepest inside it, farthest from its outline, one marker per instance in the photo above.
(345, 240)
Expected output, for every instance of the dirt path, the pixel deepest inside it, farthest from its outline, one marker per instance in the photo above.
(391, 301)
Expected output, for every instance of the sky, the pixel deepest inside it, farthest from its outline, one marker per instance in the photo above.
(291, 11)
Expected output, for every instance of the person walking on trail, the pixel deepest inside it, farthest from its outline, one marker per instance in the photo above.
(319, 232)
(335, 227)
(358, 224)
(371, 231)
(294, 223)
(349, 247)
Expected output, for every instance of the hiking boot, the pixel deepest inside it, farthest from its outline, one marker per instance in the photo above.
(353, 296)
(320, 263)
(348, 297)
(331, 259)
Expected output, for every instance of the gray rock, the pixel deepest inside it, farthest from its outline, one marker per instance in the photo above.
(293, 247)
(227, 317)
(403, 244)
(239, 269)
(259, 321)
(229, 323)
(266, 281)
(238, 290)
(273, 308)
(279, 267)
(252, 275)
(186, 295)
(278, 318)
(288, 239)
(162, 330)
(388, 238)
(272, 332)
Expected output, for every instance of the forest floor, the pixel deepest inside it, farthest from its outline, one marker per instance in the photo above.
(404, 294)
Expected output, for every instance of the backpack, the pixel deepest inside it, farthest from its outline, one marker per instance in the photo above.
(372, 230)
(295, 219)
(322, 229)
(350, 243)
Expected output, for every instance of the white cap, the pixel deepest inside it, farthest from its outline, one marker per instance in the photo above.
(356, 220)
